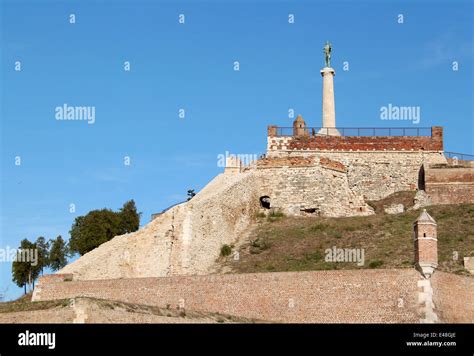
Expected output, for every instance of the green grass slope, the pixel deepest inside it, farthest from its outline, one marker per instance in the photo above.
(282, 243)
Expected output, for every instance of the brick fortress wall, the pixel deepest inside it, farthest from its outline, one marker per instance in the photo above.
(355, 143)
(453, 297)
(449, 184)
(366, 296)
(374, 166)
(346, 296)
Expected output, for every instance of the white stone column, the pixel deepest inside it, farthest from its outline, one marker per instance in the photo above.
(329, 108)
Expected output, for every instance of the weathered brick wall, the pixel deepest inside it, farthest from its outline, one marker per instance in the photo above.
(358, 296)
(450, 185)
(357, 143)
(453, 297)
(426, 248)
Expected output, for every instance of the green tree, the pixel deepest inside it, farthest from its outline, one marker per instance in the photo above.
(58, 253)
(25, 269)
(129, 217)
(99, 226)
(93, 229)
(43, 253)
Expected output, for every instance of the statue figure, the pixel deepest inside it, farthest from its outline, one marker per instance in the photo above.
(327, 53)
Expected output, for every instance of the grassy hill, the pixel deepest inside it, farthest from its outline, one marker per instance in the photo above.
(280, 243)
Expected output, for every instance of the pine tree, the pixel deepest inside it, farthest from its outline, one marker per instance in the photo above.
(129, 217)
(58, 253)
(43, 253)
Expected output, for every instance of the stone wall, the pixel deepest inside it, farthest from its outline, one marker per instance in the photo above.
(449, 185)
(357, 296)
(301, 186)
(186, 239)
(453, 297)
(369, 175)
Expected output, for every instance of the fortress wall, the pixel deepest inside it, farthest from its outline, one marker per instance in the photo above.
(449, 185)
(184, 240)
(453, 297)
(355, 143)
(349, 296)
(377, 166)
(218, 215)
(371, 175)
(301, 186)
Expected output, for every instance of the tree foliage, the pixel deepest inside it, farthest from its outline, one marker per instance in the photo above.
(99, 226)
(58, 253)
(25, 270)
(43, 253)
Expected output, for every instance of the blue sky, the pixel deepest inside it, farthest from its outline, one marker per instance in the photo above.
(190, 66)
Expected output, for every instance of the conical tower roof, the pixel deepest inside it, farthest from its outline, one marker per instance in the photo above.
(425, 218)
(299, 119)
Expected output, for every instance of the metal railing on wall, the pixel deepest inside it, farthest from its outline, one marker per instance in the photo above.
(357, 131)
(459, 156)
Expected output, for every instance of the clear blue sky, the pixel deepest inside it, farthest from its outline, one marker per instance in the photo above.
(190, 66)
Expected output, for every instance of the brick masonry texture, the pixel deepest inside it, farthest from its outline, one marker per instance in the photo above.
(350, 296)
(426, 250)
(453, 297)
(358, 143)
(449, 185)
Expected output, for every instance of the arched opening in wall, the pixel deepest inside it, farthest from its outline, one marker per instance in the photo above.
(421, 178)
(265, 202)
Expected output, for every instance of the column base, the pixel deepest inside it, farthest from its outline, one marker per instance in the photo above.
(426, 268)
(328, 131)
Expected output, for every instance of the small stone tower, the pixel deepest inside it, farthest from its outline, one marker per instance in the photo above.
(426, 244)
(299, 127)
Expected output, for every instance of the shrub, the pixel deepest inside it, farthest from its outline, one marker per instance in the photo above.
(226, 250)
(375, 264)
(258, 245)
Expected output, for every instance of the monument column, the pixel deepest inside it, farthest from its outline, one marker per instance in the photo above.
(329, 108)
